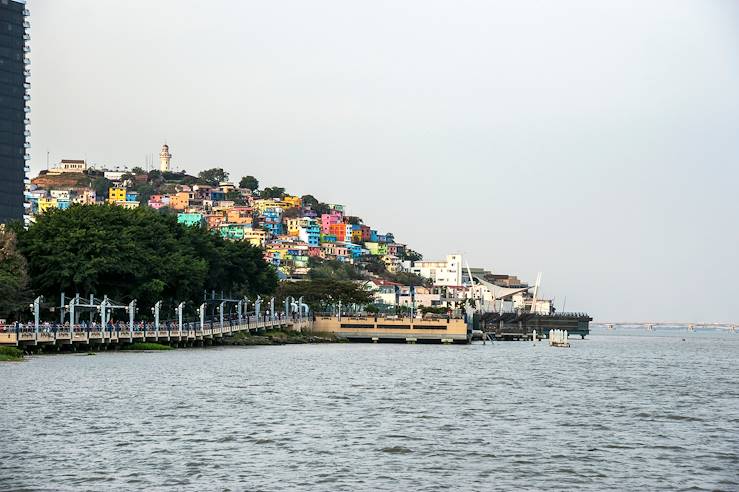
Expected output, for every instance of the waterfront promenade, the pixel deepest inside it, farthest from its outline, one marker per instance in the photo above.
(190, 333)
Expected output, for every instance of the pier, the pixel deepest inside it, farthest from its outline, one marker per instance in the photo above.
(227, 317)
(403, 329)
(186, 334)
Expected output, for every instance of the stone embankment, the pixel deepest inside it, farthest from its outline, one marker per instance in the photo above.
(281, 338)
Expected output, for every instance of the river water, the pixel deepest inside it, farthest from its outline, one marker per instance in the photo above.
(624, 410)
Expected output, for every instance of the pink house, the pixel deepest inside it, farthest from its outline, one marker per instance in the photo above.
(327, 220)
(158, 201)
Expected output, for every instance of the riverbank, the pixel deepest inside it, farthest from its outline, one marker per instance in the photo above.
(10, 354)
(282, 338)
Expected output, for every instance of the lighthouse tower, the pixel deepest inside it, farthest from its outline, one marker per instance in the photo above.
(164, 158)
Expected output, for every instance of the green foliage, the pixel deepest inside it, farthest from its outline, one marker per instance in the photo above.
(273, 192)
(332, 270)
(10, 353)
(408, 278)
(292, 213)
(433, 309)
(15, 294)
(410, 255)
(213, 176)
(309, 201)
(249, 182)
(354, 220)
(320, 294)
(101, 185)
(137, 254)
(322, 208)
(236, 197)
(146, 346)
(145, 190)
(138, 171)
(155, 176)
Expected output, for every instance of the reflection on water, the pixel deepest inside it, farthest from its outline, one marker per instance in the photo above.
(621, 410)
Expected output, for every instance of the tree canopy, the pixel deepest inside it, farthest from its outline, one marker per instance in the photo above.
(213, 176)
(273, 192)
(320, 294)
(14, 292)
(249, 182)
(137, 254)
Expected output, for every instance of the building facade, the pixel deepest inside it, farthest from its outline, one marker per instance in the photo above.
(14, 99)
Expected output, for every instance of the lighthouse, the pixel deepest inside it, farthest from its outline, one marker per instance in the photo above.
(164, 158)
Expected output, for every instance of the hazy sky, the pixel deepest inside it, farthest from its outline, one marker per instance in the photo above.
(597, 142)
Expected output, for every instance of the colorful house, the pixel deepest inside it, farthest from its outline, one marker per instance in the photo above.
(329, 219)
(191, 219)
(116, 195)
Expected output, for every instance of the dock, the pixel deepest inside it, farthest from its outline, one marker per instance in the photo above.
(398, 329)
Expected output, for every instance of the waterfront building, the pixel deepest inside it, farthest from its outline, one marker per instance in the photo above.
(446, 273)
(165, 159)
(14, 109)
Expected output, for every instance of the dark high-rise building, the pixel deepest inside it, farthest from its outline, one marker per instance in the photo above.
(13, 108)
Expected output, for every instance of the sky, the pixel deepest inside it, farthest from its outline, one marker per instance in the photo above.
(595, 142)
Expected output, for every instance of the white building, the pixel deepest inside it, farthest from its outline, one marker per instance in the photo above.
(441, 273)
(69, 166)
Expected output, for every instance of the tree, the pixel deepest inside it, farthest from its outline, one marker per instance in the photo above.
(155, 177)
(236, 197)
(249, 182)
(145, 191)
(309, 201)
(273, 192)
(213, 176)
(410, 255)
(101, 186)
(137, 254)
(320, 294)
(292, 213)
(332, 270)
(353, 220)
(14, 281)
(321, 208)
(138, 171)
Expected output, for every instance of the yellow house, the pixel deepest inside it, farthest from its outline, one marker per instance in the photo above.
(293, 227)
(292, 201)
(45, 204)
(116, 195)
(263, 204)
(255, 237)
